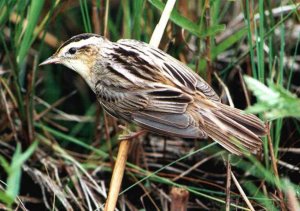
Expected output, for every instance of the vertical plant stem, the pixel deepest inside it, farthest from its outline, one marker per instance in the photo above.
(117, 176)
(250, 25)
(228, 183)
(179, 199)
(246, 93)
(126, 18)
(105, 32)
(260, 53)
(274, 165)
(30, 100)
(85, 16)
(278, 122)
(95, 18)
(208, 43)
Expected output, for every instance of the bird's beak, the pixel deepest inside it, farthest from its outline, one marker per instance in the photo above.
(50, 60)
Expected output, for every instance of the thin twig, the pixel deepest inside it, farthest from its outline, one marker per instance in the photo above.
(55, 104)
(197, 165)
(8, 113)
(244, 86)
(226, 90)
(290, 149)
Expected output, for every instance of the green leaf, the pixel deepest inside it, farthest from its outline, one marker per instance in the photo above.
(15, 171)
(186, 23)
(5, 198)
(72, 139)
(4, 164)
(275, 101)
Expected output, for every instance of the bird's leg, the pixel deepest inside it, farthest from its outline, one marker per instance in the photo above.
(128, 134)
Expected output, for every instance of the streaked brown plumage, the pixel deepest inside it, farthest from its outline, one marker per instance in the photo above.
(141, 84)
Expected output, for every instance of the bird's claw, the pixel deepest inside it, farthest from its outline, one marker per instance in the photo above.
(128, 135)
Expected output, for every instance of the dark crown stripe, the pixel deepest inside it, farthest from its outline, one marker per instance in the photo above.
(77, 38)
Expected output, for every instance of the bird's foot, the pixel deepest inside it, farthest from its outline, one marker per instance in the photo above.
(128, 134)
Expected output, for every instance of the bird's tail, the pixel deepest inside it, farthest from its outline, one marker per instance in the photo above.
(234, 130)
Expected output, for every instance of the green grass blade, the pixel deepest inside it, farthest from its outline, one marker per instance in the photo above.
(224, 45)
(85, 16)
(186, 23)
(261, 57)
(127, 25)
(138, 6)
(14, 175)
(70, 139)
(32, 19)
(249, 34)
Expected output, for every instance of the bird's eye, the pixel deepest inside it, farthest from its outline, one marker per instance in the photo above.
(72, 50)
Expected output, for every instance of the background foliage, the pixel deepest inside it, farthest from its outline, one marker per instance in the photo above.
(58, 146)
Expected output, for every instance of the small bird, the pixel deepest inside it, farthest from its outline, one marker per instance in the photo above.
(139, 83)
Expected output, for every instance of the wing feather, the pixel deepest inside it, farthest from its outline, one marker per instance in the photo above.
(169, 124)
(171, 68)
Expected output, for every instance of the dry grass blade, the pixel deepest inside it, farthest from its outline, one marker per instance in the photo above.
(88, 196)
(45, 181)
(197, 165)
(237, 184)
(160, 28)
(55, 104)
(225, 89)
(61, 115)
(228, 183)
(8, 113)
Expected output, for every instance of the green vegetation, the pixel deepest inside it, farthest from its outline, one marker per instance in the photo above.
(57, 146)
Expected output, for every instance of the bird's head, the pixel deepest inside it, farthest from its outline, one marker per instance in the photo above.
(78, 53)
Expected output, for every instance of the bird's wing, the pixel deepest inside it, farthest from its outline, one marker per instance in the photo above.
(156, 89)
(161, 110)
(165, 113)
(182, 76)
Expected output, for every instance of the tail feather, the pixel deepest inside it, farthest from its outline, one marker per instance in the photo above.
(249, 121)
(223, 140)
(234, 130)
